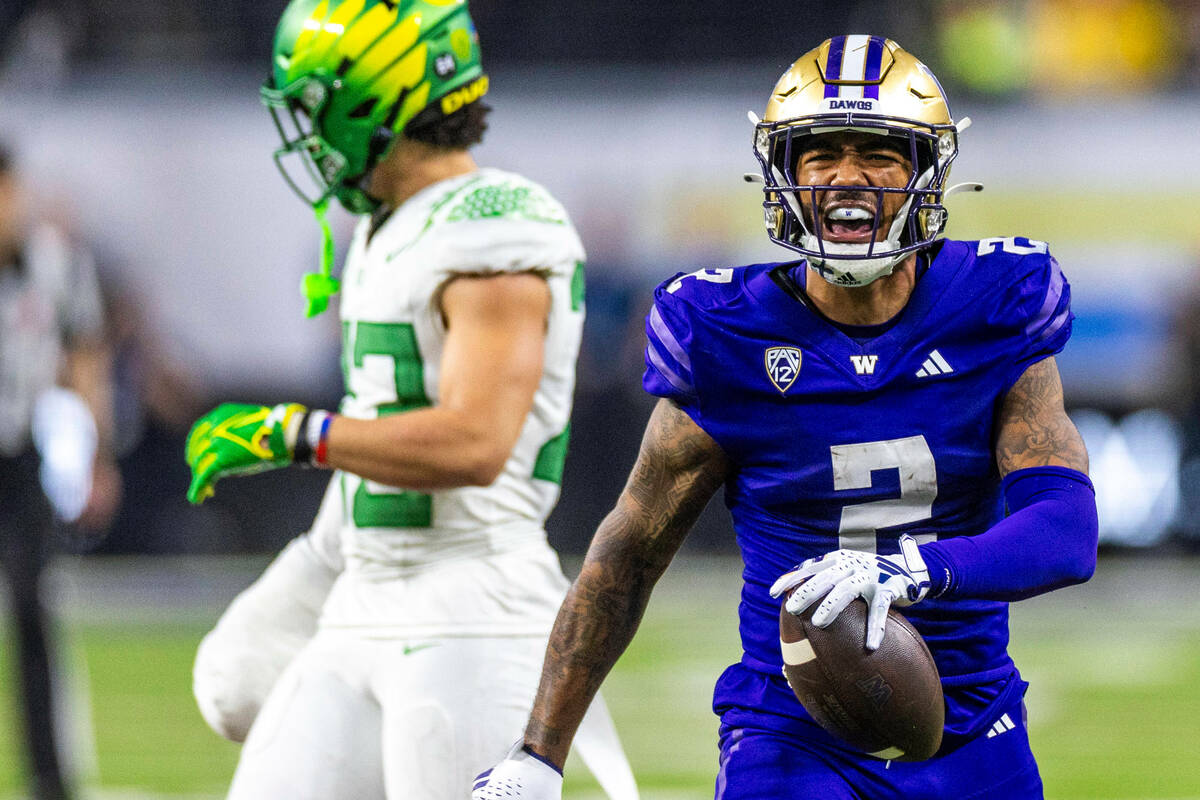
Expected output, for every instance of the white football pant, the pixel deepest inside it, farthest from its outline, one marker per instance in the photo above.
(334, 735)
(239, 661)
(356, 718)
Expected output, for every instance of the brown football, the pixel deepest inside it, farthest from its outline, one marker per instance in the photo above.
(887, 703)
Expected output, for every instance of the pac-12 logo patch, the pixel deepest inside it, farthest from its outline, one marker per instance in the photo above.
(783, 365)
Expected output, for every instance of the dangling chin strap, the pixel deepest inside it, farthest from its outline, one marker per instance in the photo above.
(318, 287)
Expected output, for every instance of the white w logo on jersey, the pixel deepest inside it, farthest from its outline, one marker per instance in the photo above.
(864, 365)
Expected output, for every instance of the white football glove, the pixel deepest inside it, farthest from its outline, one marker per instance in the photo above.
(520, 776)
(901, 579)
(64, 433)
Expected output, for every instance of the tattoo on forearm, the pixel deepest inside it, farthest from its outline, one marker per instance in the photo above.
(1034, 429)
(677, 471)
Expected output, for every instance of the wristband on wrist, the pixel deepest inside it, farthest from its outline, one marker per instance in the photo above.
(312, 431)
(941, 580)
(318, 437)
(297, 439)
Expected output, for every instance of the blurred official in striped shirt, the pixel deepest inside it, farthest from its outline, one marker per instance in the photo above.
(55, 426)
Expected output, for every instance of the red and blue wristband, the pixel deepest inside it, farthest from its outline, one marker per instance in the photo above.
(312, 444)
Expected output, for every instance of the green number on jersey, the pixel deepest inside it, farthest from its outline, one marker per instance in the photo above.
(577, 284)
(552, 457)
(397, 341)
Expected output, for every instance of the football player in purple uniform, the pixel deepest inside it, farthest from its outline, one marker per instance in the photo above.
(870, 409)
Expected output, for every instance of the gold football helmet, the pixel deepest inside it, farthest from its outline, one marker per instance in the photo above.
(872, 85)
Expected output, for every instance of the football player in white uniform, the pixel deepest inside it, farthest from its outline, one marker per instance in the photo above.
(400, 642)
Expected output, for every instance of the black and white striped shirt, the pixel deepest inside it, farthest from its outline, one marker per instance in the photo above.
(49, 297)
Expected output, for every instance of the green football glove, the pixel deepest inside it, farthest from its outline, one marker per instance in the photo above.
(239, 439)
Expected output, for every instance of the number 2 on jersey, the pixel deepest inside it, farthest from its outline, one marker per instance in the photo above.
(708, 275)
(852, 466)
(375, 506)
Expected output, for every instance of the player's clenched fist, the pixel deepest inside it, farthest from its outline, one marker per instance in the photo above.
(522, 774)
(238, 439)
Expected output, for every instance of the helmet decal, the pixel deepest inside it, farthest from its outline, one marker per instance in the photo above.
(377, 50)
(460, 42)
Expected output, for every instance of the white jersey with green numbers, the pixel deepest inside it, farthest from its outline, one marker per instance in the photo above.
(408, 554)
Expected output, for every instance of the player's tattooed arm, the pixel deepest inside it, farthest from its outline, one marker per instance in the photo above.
(678, 469)
(1033, 428)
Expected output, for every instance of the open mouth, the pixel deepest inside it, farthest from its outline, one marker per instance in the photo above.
(848, 222)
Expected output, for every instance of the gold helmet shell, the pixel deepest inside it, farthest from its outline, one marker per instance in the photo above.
(859, 73)
(863, 83)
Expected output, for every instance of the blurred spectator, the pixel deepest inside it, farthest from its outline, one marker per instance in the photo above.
(37, 42)
(55, 440)
(1062, 47)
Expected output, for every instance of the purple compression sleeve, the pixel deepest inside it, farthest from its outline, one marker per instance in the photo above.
(1048, 541)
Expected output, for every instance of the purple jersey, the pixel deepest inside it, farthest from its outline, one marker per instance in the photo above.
(849, 441)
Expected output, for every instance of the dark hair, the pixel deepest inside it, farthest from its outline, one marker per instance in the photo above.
(6, 159)
(455, 131)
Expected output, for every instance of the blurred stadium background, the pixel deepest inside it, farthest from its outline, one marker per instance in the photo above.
(137, 125)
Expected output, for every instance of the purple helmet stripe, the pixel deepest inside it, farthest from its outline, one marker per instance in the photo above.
(874, 63)
(833, 64)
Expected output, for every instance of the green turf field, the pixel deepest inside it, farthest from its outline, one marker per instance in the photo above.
(1114, 709)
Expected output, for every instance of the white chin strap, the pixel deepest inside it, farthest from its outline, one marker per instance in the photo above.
(843, 265)
(846, 271)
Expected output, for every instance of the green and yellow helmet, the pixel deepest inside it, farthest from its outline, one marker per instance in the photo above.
(349, 75)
